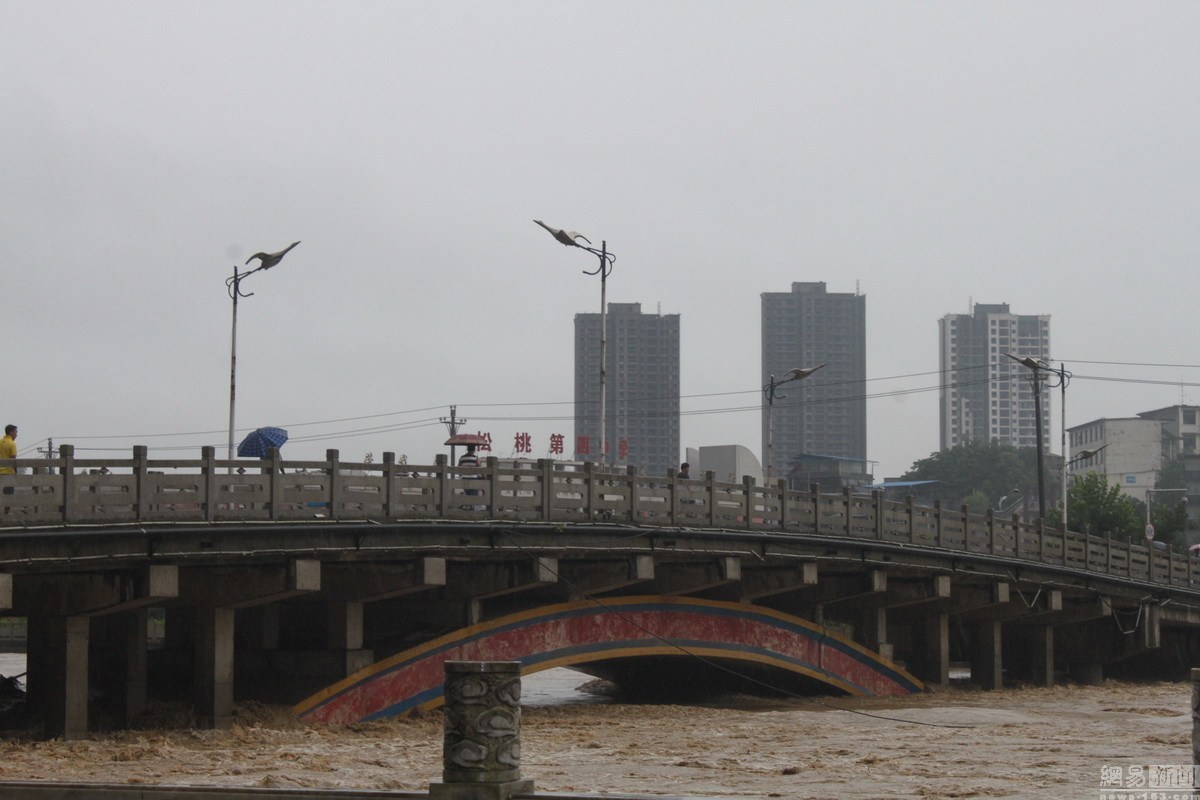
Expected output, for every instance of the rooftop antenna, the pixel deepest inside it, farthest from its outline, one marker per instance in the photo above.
(857, 287)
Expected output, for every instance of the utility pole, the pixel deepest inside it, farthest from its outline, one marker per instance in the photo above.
(452, 422)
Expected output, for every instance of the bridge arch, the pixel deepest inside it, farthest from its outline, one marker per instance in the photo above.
(621, 628)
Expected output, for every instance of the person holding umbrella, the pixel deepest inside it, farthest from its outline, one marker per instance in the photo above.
(469, 459)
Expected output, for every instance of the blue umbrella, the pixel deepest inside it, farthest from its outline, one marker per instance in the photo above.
(258, 442)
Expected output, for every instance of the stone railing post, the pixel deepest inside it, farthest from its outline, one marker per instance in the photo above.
(332, 457)
(389, 483)
(208, 455)
(440, 502)
(481, 734)
(748, 485)
(141, 503)
(493, 465)
(589, 480)
(275, 484)
(848, 506)
(814, 490)
(782, 485)
(631, 477)
(66, 455)
(937, 521)
(673, 483)
(546, 470)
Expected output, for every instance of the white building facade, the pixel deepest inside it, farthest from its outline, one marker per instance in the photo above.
(987, 396)
(1128, 452)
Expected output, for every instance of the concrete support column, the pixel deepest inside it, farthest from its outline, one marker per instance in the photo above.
(986, 663)
(1042, 653)
(344, 625)
(137, 636)
(66, 698)
(213, 690)
(38, 659)
(260, 628)
(937, 649)
(874, 623)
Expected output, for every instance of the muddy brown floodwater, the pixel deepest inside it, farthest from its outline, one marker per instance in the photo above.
(1017, 743)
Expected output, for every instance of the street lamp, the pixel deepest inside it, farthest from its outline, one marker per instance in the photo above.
(607, 259)
(770, 393)
(1082, 455)
(1150, 501)
(234, 286)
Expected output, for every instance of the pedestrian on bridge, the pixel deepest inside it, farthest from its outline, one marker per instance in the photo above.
(8, 448)
(469, 459)
(684, 470)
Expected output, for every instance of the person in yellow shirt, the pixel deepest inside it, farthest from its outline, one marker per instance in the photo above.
(8, 448)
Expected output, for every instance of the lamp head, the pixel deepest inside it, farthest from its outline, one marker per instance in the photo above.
(802, 372)
(1025, 362)
(565, 237)
(268, 260)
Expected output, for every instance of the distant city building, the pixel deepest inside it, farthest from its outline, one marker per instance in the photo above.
(641, 388)
(825, 414)
(728, 462)
(987, 396)
(1128, 451)
(1180, 429)
(830, 473)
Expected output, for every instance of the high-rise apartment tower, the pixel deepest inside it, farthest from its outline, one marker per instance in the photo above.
(987, 396)
(641, 388)
(826, 413)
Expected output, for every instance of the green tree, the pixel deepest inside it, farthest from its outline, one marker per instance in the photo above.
(975, 469)
(1100, 509)
(977, 502)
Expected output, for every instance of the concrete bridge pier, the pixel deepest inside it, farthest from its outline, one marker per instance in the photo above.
(215, 595)
(61, 615)
(212, 688)
(987, 669)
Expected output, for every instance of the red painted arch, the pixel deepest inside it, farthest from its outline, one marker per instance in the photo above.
(628, 627)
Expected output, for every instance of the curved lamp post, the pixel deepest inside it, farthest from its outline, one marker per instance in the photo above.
(770, 393)
(234, 286)
(607, 259)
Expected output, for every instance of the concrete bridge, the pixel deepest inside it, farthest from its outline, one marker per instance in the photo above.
(276, 580)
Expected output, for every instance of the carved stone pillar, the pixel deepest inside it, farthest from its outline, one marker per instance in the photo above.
(481, 750)
(1195, 715)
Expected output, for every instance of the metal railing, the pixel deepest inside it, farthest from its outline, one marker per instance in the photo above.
(71, 491)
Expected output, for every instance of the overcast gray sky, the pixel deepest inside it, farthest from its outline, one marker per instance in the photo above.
(1042, 154)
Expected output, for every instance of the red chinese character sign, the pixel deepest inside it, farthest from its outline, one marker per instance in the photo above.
(556, 443)
(623, 449)
(523, 443)
(583, 446)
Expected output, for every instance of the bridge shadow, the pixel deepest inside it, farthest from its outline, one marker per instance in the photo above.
(652, 646)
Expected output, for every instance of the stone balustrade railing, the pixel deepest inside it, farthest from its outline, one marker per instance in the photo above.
(72, 491)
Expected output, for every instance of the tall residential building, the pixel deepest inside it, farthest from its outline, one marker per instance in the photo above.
(987, 396)
(641, 388)
(824, 414)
